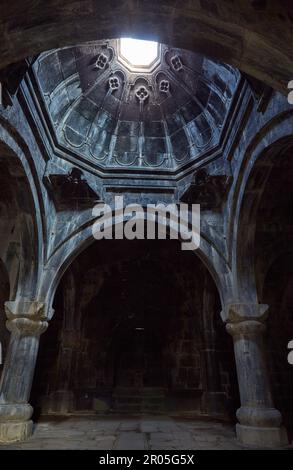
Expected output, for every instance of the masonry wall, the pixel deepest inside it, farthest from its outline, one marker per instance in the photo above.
(136, 329)
(274, 274)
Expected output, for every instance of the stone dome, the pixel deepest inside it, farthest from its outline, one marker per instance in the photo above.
(113, 115)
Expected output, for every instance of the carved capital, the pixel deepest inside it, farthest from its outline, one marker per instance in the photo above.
(32, 309)
(26, 327)
(239, 312)
(245, 329)
(26, 318)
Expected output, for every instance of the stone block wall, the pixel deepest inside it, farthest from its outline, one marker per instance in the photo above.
(142, 320)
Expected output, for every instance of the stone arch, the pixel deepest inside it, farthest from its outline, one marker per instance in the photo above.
(277, 293)
(99, 270)
(238, 33)
(257, 164)
(21, 224)
(82, 238)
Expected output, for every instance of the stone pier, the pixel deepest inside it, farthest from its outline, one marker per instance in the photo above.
(26, 322)
(260, 423)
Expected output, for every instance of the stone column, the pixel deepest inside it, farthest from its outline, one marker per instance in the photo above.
(259, 422)
(26, 321)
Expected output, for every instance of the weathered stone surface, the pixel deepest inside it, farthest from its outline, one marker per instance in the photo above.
(245, 324)
(255, 38)
(112, 343)
(126, 433)
(246, 225)
(16, 379)
(14, 431)
(112, 129)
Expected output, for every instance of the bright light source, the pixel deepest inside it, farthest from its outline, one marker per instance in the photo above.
(138, 52)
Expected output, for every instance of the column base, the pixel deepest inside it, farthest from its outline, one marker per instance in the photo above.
(255, 436)
(13, 431)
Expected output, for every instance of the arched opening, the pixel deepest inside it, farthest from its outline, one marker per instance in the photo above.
(18, 227)
(137, 325)
(18, 247)
(273, 264)
(136, 329)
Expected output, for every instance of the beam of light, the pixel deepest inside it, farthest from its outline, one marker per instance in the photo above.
(138, 52)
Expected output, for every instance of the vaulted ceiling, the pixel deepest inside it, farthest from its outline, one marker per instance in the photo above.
(252, 35)
(104, 110)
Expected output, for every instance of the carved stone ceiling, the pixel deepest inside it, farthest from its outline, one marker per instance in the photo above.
(159, 117)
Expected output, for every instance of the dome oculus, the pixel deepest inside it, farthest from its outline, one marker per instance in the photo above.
(137, 53)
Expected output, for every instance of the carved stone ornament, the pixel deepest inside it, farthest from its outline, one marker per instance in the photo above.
(101, 61)
(164, 86)
(70, 189)
(142, 93)
(207, 190)
(176, 63)
(26, 327)
(114, 83)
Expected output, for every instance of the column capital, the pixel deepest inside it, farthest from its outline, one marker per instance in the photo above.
(26, 317)
(241, 312)
(245, 329)
(26, 327)
(32, 309)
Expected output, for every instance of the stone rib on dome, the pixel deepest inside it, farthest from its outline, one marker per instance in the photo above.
(162, 118)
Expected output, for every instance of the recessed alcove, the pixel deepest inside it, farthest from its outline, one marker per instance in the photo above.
(137, 328)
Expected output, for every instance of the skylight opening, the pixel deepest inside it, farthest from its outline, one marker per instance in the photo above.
(137, 52)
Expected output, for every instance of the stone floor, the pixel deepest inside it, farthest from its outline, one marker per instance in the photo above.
(129, 433)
